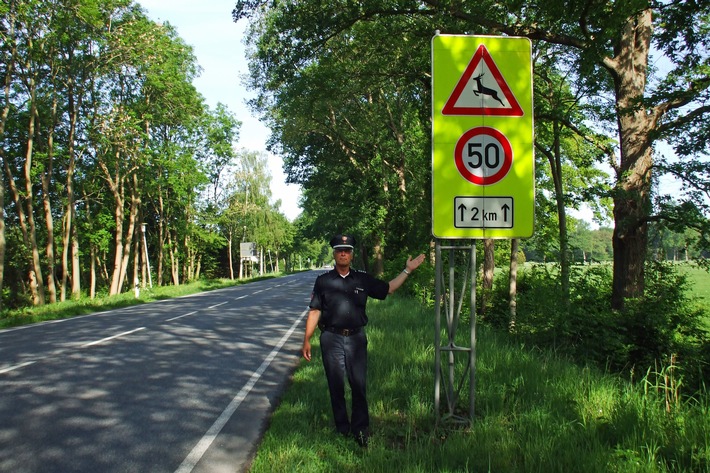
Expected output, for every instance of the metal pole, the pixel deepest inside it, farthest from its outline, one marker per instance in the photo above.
(452, 330)
(472, 360)
(447, 296)
(437, 332)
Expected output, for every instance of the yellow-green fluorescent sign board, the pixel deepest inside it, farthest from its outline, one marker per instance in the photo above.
(482, 137)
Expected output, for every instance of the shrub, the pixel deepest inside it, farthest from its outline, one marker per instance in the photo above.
(664, 327)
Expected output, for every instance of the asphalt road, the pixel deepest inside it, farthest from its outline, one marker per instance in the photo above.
(183, 385)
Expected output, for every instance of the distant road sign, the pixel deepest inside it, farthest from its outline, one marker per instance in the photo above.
(247, 250)
(482, 137)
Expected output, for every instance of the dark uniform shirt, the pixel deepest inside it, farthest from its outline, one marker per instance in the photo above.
(342, 300)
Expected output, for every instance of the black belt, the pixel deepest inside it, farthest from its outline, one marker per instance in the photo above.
(346, 332)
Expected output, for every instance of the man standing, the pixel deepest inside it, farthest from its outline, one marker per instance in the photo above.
(337, 307)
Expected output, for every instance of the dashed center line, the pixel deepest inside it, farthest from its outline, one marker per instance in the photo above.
(111, 338)
(181, 316)
(16, 367)
(217, 305)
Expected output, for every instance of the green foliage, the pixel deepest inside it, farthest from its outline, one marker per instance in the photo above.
(344, 88)
(101, 129)
(666, 324)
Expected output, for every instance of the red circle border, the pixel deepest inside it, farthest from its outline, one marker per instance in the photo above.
(507, 158)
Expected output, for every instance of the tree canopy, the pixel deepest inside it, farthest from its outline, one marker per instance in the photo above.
(639, 69)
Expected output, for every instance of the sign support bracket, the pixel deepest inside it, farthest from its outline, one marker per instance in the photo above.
(452, 302)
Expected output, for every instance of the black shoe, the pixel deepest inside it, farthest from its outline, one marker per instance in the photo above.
(362, 439)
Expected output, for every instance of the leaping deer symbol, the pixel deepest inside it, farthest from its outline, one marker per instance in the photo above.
(481, 89)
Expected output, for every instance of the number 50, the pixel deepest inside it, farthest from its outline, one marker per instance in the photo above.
(478, 154)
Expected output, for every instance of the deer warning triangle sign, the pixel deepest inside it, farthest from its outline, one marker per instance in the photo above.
(482, 90)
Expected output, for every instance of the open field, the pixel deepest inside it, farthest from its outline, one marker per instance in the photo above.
(701, 281)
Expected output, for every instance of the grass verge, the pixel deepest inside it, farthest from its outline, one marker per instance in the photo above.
(534, 412)
(85, 305)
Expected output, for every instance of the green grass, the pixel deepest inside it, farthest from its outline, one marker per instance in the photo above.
(534, 413)
(700, 282)
(700, 279)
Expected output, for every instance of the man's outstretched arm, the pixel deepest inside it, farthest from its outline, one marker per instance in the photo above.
(412, 264)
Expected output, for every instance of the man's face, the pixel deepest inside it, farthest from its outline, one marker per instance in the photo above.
(343, 256)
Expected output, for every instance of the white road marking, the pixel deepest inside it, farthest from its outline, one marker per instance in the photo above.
(181, 316)
(201, 447)
(16, 367)
(111, 338)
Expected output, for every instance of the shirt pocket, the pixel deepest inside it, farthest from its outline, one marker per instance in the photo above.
(360, 296)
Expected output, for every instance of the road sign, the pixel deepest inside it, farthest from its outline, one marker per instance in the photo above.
(482, 137)
(483, 155)
(465, 98)
(483, 212)
(247, 250)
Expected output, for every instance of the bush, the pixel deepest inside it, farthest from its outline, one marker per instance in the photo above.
(664, 327)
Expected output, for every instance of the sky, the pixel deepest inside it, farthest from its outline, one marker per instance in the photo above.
(207, 26)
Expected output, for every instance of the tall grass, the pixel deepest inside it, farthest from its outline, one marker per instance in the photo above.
(535, 412)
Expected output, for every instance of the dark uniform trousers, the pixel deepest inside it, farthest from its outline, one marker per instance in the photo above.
(347, 356)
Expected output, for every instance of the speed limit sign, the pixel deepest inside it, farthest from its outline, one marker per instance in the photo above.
(483, 155)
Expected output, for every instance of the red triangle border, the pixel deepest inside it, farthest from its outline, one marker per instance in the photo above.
(450, 107)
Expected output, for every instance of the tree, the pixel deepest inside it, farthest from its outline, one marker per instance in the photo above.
(249, 214)
(570, 147)
(609, 44)
(351, 135)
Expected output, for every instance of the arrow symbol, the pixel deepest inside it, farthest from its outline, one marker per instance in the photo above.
(505, 212)
(462, 209)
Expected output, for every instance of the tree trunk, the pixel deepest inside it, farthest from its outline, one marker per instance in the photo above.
(46, 180)
(130, 233)
(229, 254)
(561, 201)
(24, 213)
(161, 238)
(632, 196)
(30, 231)
(142, 250)
(489, 265)
(70, 235)
(378, 263)
(117, 187)
(174, 260)
(2, 233)
(92, 283)
(118, 240)
(513, 284)
(136, 264)
(3, 120)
